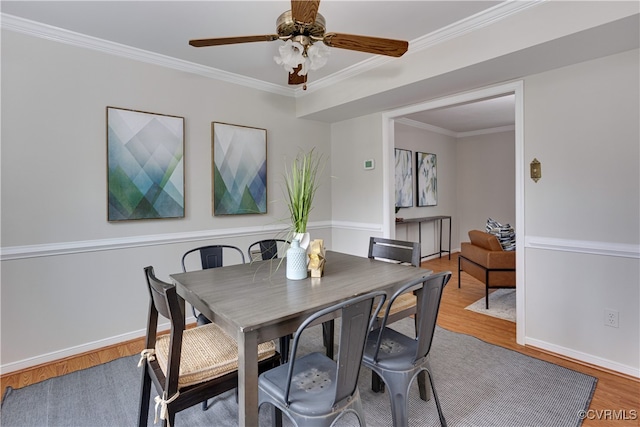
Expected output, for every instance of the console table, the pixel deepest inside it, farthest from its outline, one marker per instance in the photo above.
(438, 219)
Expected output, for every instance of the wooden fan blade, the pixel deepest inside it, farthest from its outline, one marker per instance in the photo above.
(233, 40)
(295, 79)
(304, 11)
(367, 44)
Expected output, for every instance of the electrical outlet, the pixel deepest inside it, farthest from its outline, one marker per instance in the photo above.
(611, 317)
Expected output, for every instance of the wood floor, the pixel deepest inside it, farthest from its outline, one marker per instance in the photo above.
(616, 401)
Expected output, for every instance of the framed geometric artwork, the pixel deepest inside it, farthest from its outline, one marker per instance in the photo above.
(404, 179)
(239, 169)
(427, 179)
(145, 165)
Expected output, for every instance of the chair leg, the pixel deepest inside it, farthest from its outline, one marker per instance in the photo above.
(276, 416)
(284, 348)
(443, 422)
(398, 385)
(145, 395)
(205, 405)
(422, 378)
(377, 385)
(328, 337)
(422, 386)
(459, 269)
(170, 421)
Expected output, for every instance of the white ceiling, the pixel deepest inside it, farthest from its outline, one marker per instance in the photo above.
(165, 27)
(162, 29)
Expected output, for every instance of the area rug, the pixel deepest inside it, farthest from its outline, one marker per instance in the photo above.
(502, 304)
(478, 384)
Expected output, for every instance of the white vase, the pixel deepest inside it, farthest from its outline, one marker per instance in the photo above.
(304, 239)
(296, 261)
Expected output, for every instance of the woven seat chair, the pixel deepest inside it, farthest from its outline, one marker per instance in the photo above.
(187, 366)
(405, 305)
(314, 390)
(397, 358)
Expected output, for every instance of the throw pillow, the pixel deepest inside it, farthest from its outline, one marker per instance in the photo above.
(505, 233)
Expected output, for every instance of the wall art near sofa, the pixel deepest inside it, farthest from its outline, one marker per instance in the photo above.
(427, 179)
(404, 179)
(239, 169)
(145, 165)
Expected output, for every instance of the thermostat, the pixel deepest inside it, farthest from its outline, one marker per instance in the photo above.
(369, 164)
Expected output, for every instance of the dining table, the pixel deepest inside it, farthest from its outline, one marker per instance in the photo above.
(255, 303)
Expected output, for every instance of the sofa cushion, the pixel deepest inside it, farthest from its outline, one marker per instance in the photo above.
(484, 240)
(505, 233)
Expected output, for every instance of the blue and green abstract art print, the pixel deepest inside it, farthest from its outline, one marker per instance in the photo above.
(145, 165)
(239, 169)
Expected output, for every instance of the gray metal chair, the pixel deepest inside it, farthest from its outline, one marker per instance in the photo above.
(397, 358)
(211, 256)
(401, 252)
(314, 390)
(267, 249)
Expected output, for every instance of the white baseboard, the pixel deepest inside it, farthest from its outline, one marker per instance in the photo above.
(84, 348)
(584, 357)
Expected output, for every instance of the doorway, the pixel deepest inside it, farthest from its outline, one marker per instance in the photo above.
(388, 144)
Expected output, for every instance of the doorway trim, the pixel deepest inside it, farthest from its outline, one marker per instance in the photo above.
(388, 145)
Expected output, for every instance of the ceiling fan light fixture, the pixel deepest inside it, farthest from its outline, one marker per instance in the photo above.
(291, 55)
(301, 51)
(317, 54)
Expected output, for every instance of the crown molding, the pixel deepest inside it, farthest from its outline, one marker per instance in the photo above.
(479, 20)
(447, 132)
(467, 25)
(48, 32)
(425, 126)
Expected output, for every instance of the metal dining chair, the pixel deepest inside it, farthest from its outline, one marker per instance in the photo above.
(267, 249)
(314, 390)
(272, 249)
(211, 256)
(397, 358)
(187, 366)
(401, 252)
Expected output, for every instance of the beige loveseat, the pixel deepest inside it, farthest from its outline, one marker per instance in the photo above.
(484, 259)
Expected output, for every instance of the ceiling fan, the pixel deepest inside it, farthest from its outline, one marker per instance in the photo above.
(302, 27)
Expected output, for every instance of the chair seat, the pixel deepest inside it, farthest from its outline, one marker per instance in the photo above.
(395, 349)
(207, 353)
(312, 387)
(403, 302)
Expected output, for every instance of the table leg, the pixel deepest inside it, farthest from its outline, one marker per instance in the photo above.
(440, 250)
(449, 237)
(248, 378)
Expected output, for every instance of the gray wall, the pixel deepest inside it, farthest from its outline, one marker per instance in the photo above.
(61, 259)
(72, 281)
(581, 232)
(486, 181)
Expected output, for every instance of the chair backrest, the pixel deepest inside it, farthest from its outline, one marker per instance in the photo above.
(268, 249)
(356, 321)
(429, 293)
(211, 256)
(395, 250)
(164, 300)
